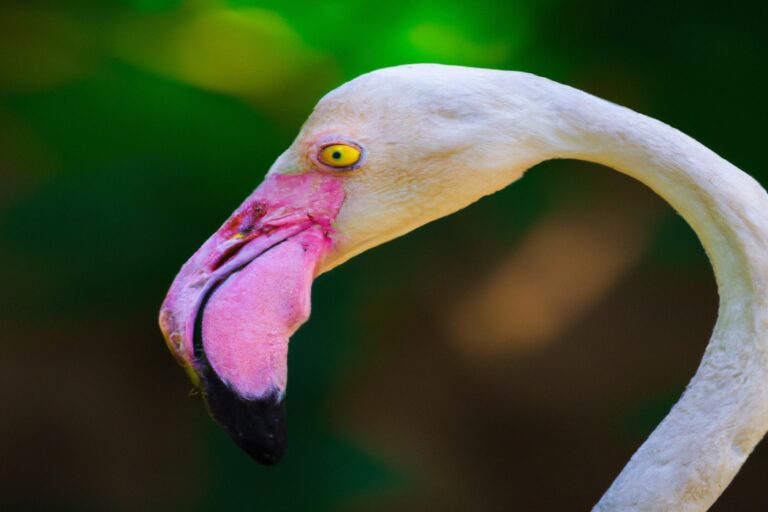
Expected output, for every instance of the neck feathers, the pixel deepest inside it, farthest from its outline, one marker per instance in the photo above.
(699, 447)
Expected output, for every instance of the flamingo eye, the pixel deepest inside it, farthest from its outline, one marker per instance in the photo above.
(341, 156)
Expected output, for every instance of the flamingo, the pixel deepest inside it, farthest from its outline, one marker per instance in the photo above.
(399, 147)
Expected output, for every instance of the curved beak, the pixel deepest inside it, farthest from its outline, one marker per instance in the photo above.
(234, 305)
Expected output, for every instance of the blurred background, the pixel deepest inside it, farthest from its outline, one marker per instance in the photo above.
(511, 356)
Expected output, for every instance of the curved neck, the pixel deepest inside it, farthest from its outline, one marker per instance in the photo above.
(696, 451)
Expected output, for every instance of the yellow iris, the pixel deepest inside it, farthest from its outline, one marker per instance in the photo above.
(339, 155)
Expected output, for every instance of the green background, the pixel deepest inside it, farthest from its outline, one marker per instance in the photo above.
(130, 129)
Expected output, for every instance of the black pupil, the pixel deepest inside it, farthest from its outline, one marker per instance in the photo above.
(336, 155)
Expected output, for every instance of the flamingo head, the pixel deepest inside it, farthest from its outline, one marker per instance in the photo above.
(378, 157)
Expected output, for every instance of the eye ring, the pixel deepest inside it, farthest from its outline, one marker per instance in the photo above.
(340, 155)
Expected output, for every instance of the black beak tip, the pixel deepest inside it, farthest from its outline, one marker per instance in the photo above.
(257, 426)
(262, 433)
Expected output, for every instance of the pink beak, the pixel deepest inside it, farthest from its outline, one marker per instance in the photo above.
(234, 305)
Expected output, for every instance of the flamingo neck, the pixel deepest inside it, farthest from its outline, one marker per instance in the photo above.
(699, 447)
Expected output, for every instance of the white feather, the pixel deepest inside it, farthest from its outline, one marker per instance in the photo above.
(440, 137)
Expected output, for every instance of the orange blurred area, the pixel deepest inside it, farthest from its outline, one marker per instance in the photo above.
(559, 272)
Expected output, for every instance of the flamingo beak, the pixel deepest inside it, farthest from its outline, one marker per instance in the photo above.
(234, 305)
